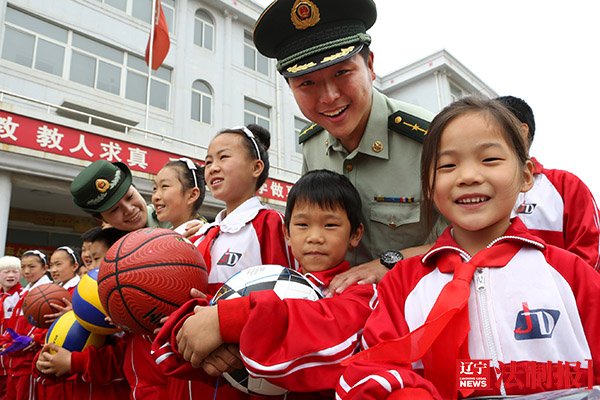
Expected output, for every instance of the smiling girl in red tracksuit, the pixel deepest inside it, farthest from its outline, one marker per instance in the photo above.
(488, 289)
(245, 234)
(19, 384)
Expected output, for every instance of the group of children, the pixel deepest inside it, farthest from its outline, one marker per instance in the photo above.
(488, 289)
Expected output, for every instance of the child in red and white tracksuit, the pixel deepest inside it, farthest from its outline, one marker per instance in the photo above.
(20, 384)
(488, 289)
(296, 344)
(10, 272)
(559, 208)
(246, 233)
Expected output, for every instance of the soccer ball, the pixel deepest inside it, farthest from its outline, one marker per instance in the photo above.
(287, 284)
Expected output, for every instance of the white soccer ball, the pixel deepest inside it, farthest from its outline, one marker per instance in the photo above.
(287, 284)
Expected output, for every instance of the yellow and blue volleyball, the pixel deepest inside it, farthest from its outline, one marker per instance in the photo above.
(87, 306)
(68, 333)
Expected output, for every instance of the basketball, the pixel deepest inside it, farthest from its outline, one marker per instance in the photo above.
(66, 332)
(287, 284)
(87, 307)
(37, 303)
(148, 274)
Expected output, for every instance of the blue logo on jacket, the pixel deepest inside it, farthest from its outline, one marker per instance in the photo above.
(535, 324)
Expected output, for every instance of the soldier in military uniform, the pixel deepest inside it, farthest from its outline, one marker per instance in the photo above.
(322, 50)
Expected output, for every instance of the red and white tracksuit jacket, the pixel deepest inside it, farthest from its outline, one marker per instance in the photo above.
(96, 373)
(560, 291)
(251, 235)
(8, 301)
(20, 384)
(561, 210)
(305, 341)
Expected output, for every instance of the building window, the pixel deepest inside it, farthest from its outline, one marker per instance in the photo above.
(256, 113)
(38, 44)
(34, 43)
(142, 9)
(252, 58)
(96, 65)
(299, 124)
(202, 101)
(456, 92)
(204, 29)
(137, 81)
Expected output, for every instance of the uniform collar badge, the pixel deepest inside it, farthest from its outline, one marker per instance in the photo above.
(377, 146)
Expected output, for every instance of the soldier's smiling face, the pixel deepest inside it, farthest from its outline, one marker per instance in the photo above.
(338, 98)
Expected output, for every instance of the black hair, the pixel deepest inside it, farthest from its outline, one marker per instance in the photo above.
(494, 110)
(522, 111)
(262, 138)
(186, 177)
(74, 253)
(328, 190)
(90, 233)
(108, 236)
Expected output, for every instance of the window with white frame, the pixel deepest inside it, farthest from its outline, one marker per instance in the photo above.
(34, 43)
(96, 65)
(137, 81)
(41, 45)
(204, 29)
(202, 101)
(142, 9)
(299, 124)
(257, 113)
(456, 92)
(252, 58)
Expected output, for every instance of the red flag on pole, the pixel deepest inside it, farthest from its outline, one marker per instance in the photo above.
(161, 44)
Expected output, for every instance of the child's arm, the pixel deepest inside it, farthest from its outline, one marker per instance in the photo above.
(297, 344)
(100, 365)
(199, 335)
(371, 380)
(97, 365)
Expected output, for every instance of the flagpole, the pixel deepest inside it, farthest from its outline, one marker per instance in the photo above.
(153, 23)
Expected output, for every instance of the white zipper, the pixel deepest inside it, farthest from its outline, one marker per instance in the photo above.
(482, 296)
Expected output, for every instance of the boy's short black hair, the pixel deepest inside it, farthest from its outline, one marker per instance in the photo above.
(521, 110)
(327, 190)
(108, 236)
(90, 233)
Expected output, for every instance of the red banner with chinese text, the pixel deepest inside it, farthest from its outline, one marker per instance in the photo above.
(30, 133)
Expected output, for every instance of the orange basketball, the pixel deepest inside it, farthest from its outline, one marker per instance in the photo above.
(37, 303)
(148, 274)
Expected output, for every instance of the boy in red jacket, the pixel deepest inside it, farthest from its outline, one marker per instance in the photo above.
(321, 228)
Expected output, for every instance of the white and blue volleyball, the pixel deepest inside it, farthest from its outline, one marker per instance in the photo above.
(87, 306)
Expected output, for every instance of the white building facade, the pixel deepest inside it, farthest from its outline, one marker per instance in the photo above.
(73, 86)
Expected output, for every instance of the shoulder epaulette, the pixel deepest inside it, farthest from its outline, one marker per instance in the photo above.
(408, 125)
(309, 131)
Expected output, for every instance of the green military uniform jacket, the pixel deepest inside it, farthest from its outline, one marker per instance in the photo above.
(385, 168)
(153, 219)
